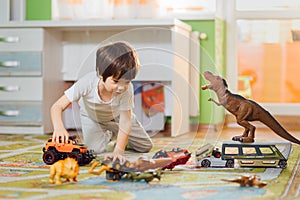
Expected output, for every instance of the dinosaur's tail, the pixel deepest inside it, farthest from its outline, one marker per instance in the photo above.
(273, 124)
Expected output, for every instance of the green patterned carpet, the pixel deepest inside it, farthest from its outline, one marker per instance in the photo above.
(23, 175)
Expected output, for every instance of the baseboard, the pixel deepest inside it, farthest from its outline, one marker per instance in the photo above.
(210, 127)
(194, 127)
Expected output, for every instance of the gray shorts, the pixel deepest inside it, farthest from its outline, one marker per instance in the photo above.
(97, 135)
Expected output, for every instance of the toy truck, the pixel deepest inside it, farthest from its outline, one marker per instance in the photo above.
(257, 154)
(54, 152)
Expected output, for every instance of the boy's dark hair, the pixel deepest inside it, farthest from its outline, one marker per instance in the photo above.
(118, 60)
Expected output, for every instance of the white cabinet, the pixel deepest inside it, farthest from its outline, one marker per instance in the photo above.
(68, 51)
(23, 39)
(29, 82)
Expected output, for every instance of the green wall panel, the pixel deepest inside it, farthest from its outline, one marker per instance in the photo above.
(209, 60)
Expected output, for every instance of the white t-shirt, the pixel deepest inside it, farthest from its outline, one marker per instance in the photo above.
(85, 92)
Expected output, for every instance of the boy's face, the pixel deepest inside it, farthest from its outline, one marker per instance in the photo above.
(116, 86)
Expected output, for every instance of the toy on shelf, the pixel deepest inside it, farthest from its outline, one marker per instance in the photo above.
(54, 152)
(179, 157)
(252, 181)
(245, 110)
(67, 168)
(247, 155)
(135, 170)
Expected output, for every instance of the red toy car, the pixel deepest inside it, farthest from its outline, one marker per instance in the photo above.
(179, 157)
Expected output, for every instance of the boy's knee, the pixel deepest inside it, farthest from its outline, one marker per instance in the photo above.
(149, 147)
(145, 148)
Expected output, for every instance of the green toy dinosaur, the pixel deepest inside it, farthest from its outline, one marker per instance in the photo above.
(245, 110)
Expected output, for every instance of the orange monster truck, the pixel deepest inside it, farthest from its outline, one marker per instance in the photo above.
(54, 152)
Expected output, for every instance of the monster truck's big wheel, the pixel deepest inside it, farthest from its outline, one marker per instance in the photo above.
(49, 157)
(77, 157)
(86, 159)
(74, 155)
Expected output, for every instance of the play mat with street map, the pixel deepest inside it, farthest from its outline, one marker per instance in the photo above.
(23, 175)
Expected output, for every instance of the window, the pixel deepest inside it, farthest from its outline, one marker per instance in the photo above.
(231, 150)
(263, 38)
(267, 4)
(268, 53)
(266, 150)
(249, 151)
(190, 7)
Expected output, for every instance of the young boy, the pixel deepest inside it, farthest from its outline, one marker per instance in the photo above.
(105, 98)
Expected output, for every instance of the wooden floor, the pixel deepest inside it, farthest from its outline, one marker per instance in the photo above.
(230, 128)
(262, 134)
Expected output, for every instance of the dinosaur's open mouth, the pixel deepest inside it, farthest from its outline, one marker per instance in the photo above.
(204, 87)
(209, 77)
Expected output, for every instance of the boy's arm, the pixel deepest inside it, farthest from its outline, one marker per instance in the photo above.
(56, 117)
(125, 125)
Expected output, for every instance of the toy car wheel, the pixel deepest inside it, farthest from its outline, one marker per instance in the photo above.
(205, 163)
(282, 164)
(49, 157)
(86, 159)
(74, 155)
(89, 156)
(230, 164)
(77, 157)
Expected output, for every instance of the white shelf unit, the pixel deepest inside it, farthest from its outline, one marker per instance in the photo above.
(163, 47)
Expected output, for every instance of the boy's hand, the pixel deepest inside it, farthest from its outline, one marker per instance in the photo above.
(115, 157)
(60, 136)
(117, 154)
